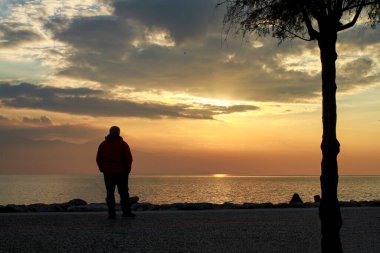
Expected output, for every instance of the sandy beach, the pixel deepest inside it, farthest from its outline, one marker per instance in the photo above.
(259, 230)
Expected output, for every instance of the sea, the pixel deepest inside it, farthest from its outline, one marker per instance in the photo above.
(218, 188)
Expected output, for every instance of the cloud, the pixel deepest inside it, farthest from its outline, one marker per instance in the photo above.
(177, 46)
(84, 101)
(30, 90)
(15, 34)
(360, 36)
(42, 129)
(106, 55)
(183, 19)
(96, 33)
(47, 148)
(43, 120)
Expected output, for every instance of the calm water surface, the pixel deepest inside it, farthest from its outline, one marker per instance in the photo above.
(28, 189)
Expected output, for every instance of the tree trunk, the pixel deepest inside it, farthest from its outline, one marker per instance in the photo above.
(329, 210)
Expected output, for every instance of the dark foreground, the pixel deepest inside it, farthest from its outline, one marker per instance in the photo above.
(257, 230)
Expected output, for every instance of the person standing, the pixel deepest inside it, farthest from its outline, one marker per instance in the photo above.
(114, 159)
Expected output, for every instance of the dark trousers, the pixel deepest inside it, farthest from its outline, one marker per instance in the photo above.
(120, 180)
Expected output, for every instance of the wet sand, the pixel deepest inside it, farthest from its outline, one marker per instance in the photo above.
(257, 230)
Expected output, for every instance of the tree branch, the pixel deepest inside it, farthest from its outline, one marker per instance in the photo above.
(350, 7)
(353, 21)
(296, 35)
(338, 10)
(324, 8)
(312, 32)
(329, 7)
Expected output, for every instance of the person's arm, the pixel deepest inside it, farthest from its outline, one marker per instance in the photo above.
(128, 157)
(99, 159)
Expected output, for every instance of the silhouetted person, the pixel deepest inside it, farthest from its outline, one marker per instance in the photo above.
(114, 159)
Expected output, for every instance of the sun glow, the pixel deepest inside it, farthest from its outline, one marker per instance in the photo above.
(220, 175)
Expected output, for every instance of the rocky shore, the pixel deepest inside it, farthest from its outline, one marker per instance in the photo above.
(79, 205)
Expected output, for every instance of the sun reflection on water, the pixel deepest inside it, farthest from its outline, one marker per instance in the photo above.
(220, 175)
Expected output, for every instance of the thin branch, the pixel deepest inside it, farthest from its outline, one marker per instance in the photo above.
(296, 35)
(347, 8)
(353, 22)
(312, 32)
(348, 5)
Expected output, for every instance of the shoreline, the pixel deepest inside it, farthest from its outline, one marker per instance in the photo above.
(79, 205)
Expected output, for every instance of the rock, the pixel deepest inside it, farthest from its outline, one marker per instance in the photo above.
(354, 203)
(205, 206)
(77, 208)
(176, 206)
(281, 205)
(39, 207)
(3, 209)
(229, 205)
(36, 207)
(344, 204)
(266, 205)
(311, 204)
(144, 207)
(134, 206)
(197, 206)
(164, 206)
(13, 208)
(296, 200)
(251, 205)
(374, 203)
(88, 208)
(133, 200)
(76, 202)
(317, 198)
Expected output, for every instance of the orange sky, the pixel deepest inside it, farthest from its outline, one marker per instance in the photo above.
(187, 101)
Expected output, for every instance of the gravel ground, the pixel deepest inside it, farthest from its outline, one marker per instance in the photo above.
(257, 230)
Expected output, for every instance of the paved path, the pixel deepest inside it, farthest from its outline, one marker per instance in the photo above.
(259, 230)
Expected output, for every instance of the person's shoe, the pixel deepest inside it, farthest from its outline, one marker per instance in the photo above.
(129, 215)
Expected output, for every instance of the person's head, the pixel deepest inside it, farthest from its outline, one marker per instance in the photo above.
(114, 131)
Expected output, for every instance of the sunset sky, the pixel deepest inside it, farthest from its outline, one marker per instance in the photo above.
(187, 100)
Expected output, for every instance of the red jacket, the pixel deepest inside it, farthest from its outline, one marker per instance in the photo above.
(114, 156)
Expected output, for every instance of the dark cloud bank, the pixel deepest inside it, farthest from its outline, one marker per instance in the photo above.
(85, 101)
(14, 34)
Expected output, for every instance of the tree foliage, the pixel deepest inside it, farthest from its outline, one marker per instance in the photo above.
(304, 19)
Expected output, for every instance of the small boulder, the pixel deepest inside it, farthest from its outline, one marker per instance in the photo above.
(281, 205)
(197, 206)
(296, 200)
(176, 206)
(144, 207)
(250, 205)
(77, 202)
(374, 203)
(93, 207)
(354, 203)
(11, 208)
(46, 208)
(229, 205)
(36, 207)
(83, 208)
(133, 200)
(266, 205)
(205, 206)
